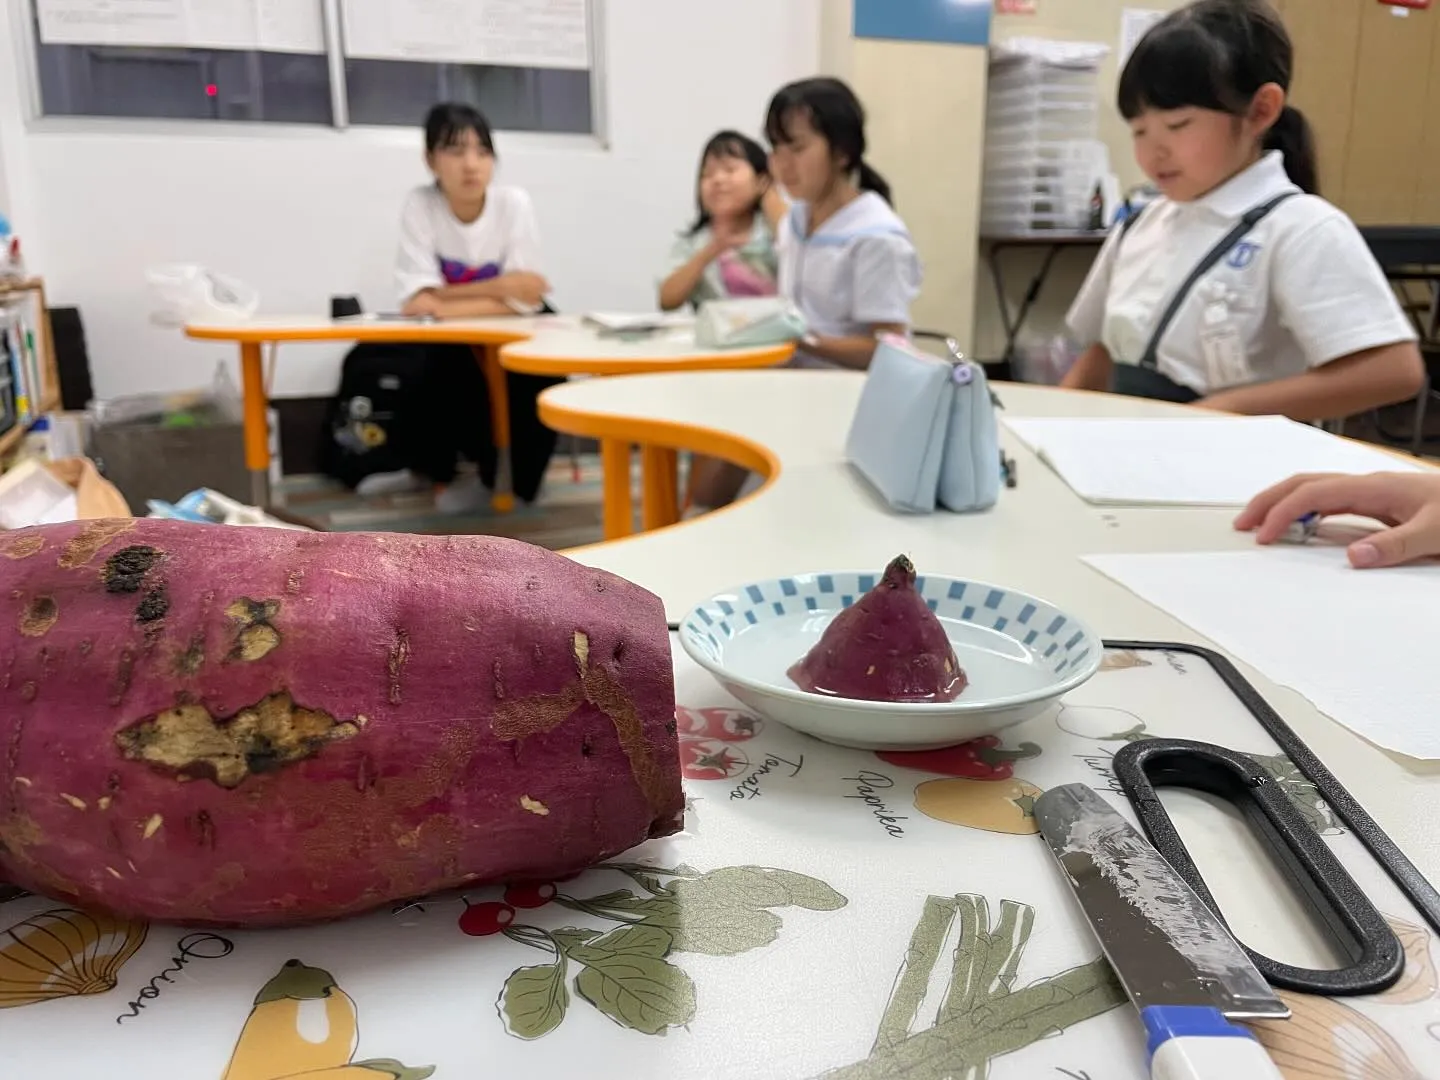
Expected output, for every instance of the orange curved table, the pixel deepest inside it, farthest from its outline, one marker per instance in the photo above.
(551, 345)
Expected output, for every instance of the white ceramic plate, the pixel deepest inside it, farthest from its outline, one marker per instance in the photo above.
(1019, 652)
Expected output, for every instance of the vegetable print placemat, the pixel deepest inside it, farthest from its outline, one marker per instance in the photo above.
(826, 913)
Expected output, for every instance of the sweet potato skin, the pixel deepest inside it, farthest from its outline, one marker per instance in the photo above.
(224, 726)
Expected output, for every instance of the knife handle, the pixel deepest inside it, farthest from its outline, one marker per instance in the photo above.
(1189, 1042)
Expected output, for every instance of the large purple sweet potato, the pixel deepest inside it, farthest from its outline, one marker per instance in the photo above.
(240, 726)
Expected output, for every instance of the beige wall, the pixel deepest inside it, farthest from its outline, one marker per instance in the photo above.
(1073, 20)
(927, 112)
(926, 106)
(927, 109)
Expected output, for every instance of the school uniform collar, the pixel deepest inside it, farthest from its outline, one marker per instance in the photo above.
(1255, 186)
(867, 213)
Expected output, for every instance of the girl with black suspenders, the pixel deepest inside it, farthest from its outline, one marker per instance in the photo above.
(1240, 289)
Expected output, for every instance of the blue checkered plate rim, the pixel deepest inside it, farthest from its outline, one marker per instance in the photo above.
(1061, 647)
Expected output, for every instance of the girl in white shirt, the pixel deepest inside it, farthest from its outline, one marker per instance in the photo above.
(468, 248)
(1294, 316)
(846, 259)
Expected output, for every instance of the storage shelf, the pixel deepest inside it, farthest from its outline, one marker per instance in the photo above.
(49, 375)
(11, 288)
(12, 438)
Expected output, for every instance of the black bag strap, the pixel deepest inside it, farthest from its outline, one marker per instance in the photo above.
(1253, 217)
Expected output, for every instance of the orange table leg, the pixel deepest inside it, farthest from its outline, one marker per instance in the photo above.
(488, 356)
(619, 509)
(660, 472)
(257, 422)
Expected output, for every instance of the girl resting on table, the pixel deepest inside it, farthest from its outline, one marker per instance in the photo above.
(730, 249)
(1409, 503)
(470, 249)
(846, 259)
(1294, 316)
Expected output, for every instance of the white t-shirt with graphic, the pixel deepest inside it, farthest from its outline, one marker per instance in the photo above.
(438, 249)
(1300, 290)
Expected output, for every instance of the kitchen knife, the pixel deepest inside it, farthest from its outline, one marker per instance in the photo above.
(1177, 962)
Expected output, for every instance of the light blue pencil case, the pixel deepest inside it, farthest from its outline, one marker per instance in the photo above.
(748, 323)
(925, 433)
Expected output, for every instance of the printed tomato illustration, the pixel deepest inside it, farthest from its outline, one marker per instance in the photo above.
(528, 896)
(983, 759)
(486, 920)
(1003, 806)
(706, 759)
(726, 725)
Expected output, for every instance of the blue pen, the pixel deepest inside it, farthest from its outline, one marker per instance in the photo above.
(1303, 530)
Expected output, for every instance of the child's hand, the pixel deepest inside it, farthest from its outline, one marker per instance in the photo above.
(526, 287)
(729, 235)
(422, 304)
(1407, 502)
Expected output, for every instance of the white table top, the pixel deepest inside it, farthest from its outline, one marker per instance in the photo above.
(542, 344)
(817, 514)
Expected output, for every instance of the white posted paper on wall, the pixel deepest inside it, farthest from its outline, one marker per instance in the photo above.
(293, 26)
(506, 33)
(1358, 644)
(1134, 24)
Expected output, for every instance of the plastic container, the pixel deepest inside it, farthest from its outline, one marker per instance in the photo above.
(1041, 97)
(1015, 76)
(186, 293)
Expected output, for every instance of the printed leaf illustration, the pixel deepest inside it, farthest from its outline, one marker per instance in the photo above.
(1419, 982)
(626, 972)
(1303, 795)
(641, 940)
(534, 1001)
(639, 992)
(64, 953)
(806, 892)
(1325, 1040)
(571, 936)
(724, 931)
(980, 1017)
(271, 1046)
(742, 886)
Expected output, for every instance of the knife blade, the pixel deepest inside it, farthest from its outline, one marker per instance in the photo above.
(1179, 965)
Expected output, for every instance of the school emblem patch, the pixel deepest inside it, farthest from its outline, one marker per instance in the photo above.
(1243, 255)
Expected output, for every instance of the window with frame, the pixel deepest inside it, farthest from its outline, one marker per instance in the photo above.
(527, 64)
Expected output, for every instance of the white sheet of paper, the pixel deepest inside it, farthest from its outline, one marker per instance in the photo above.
(293, 26)
(510, 33)
(621, 321)
(1134, 22)
(1359, 645)
(1202, 461)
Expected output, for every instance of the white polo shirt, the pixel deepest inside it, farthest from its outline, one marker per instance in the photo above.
(1302, 289)
(857, 270)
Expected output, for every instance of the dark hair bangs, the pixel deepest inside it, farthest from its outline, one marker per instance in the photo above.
(1178, 65)
(448, 124)
(731, 144)
(784, 108)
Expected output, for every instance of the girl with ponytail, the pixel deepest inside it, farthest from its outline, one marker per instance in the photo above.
(846, 258)
(1240, 289)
